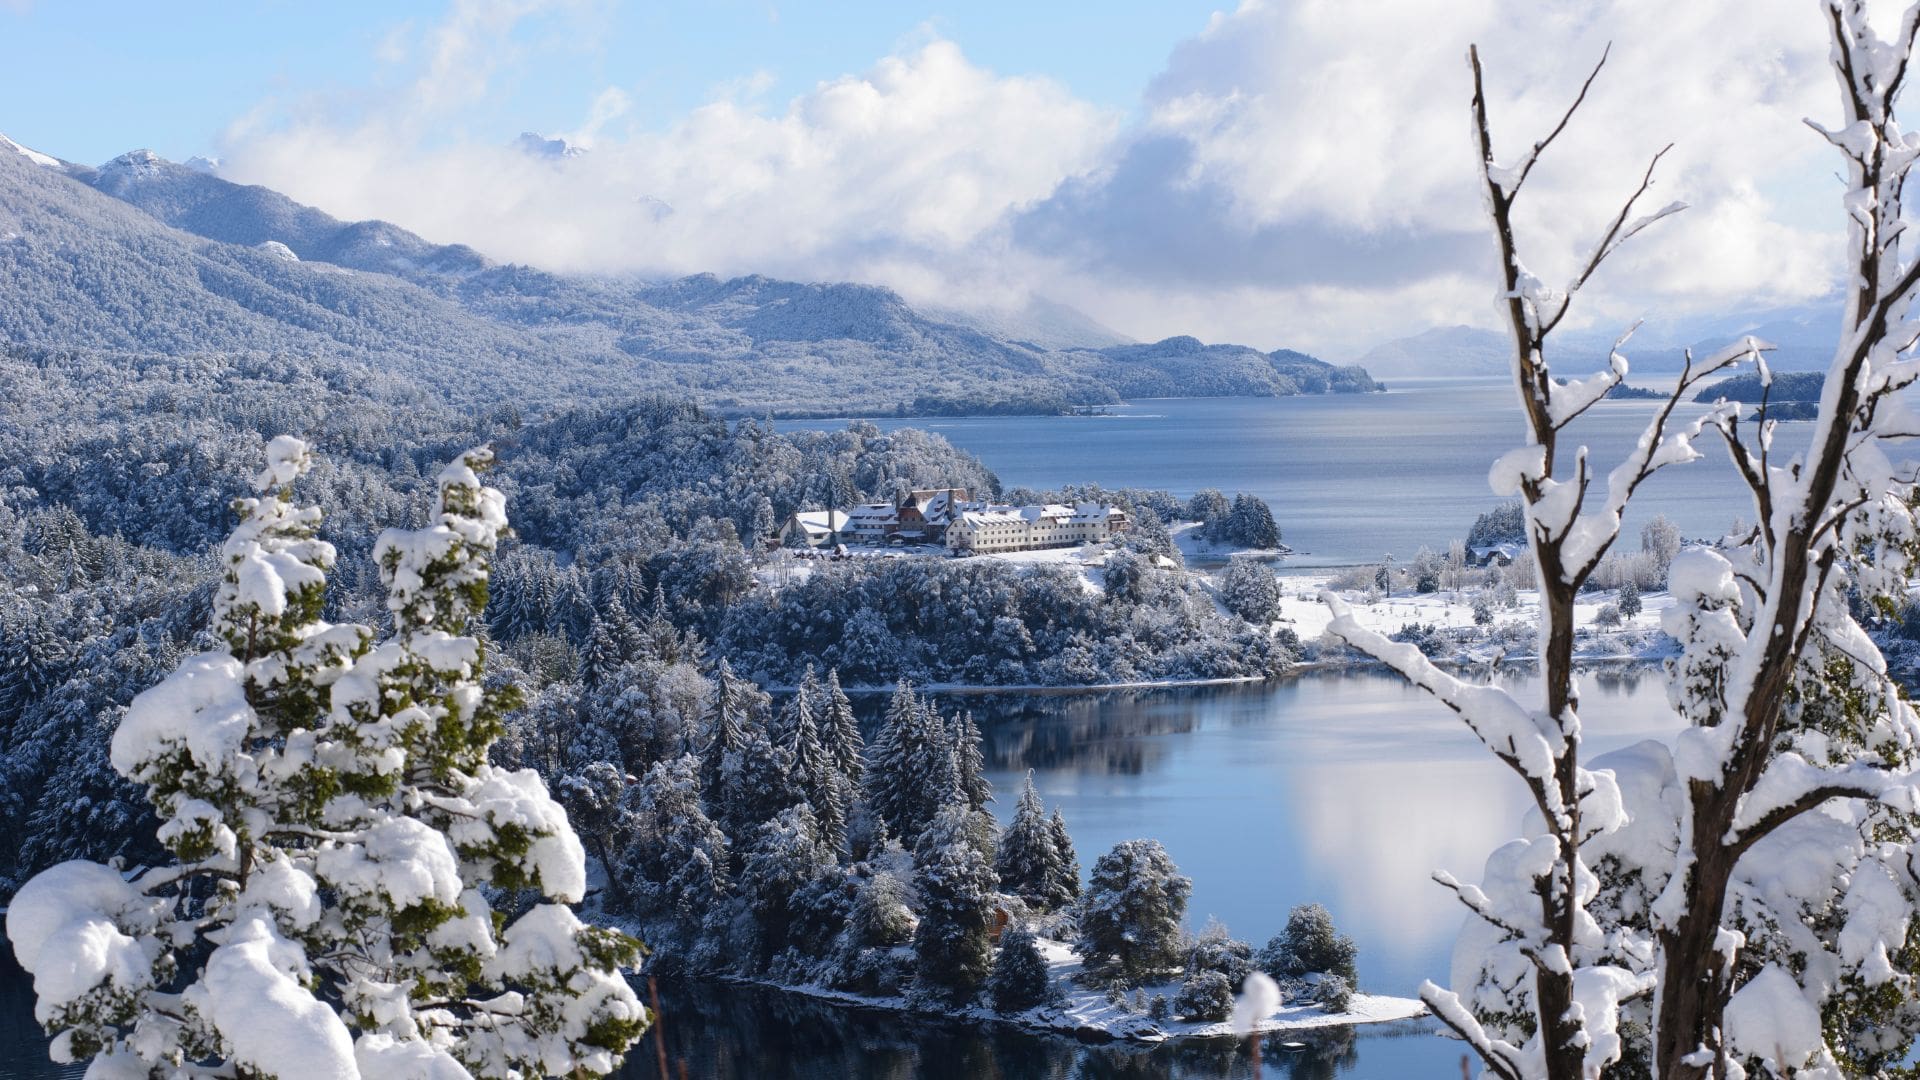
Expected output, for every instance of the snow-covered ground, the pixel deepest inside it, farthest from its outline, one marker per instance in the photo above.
(1085, 1011)
(1302, 611)
(1195, 549)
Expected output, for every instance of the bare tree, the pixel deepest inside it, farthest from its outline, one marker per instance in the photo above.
(1787, 702)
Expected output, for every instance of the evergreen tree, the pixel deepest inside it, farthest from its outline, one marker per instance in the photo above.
(1029, 862)
(593, 798)
(911, 770)
(1308, 945)
(1250, 523)
(333, 817)
(1131, 913)
(1020, 979)
(963, 736)
(841, 731)
(1629, 602)
(601, 656)
(686, 863)
(1067, 874)
(813, 770)
(951, 949)
(726, 723)
(1251, 591)
(787, 853)
(756, 784)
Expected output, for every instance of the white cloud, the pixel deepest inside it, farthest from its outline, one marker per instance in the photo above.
(1300, 173)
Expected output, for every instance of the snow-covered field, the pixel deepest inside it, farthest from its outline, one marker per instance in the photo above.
(1302, 611)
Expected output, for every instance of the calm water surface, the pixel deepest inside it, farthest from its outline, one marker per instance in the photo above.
(1349, 476)
(1348, 789)
(1342, 788)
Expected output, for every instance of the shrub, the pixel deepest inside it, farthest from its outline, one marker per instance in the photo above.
(1333, 993)
(1608, 617)
(1310, 944)
(1019, 980)
(1204, 996)
(1214, 950)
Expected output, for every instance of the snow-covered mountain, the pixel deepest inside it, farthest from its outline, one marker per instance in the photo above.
(537, 145)
(143, 254)
(1803, 336)
(1443, 350)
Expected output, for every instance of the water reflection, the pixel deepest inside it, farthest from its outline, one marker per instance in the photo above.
(1344, 787)
(743, 1031)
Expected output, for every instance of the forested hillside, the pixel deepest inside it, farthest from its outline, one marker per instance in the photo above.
(116, 471)
(142, 254)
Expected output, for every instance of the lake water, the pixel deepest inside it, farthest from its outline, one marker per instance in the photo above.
(1343, 788)
(1350, 477)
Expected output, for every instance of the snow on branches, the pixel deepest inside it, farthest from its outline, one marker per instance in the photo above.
(334, 821)
(1743, 896)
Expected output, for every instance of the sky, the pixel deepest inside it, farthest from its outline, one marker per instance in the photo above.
(1293, 174)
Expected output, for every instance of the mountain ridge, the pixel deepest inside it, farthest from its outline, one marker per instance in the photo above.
(171, 258)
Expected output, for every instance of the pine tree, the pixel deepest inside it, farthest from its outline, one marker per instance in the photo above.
(841, 732)
(951, 949)
(687, 865)
(333, 818)
(787, 853)
(1029, 862)
(813, 771)
(626, 634)
(1067, 880)
(1020, 979)
(1629, 601)
(726, 723)
(1130, 917)
(601, 656)
(963, 736)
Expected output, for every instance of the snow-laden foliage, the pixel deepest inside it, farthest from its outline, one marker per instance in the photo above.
(332, 820)
(1130, 914)
(1740, 902)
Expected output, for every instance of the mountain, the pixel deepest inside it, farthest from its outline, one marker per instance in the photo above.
(1443, 350)
(1039, 322)
(1803, 337)
(537, 145)
(201, 203)
(145, 256)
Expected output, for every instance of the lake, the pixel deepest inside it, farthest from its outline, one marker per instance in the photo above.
(1350, 477)
(1345, 788)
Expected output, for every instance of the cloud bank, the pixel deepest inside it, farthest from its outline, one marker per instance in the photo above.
(1297, 174)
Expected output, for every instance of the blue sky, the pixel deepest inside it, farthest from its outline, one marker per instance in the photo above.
(171, 77)
(1271, 172)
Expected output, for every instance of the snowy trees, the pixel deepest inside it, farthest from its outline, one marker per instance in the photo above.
(1739, 894)
(956, 885)
(1130, 916)
(332, 818)
(1030, 862)
(1310, 945)
(1251, 591)
(1019, 980)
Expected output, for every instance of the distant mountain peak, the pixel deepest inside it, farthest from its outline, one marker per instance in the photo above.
(138, 164)
(537, 145)
(210, 166)
(34, 156)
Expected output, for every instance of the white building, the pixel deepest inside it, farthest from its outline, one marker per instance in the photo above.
(816, 528)
(1028, 528)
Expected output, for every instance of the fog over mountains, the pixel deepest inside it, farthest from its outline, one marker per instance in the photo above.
(1803, 338)
(143, 255)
